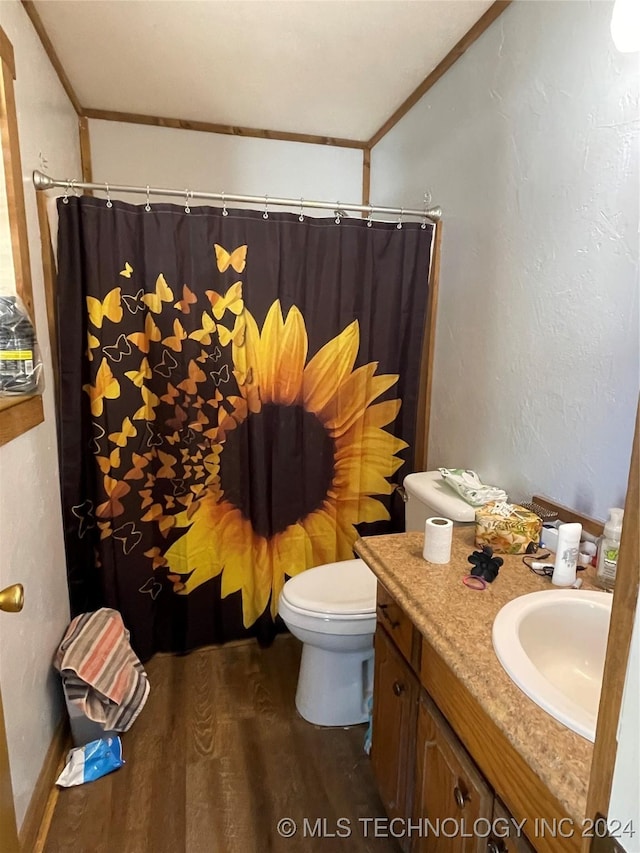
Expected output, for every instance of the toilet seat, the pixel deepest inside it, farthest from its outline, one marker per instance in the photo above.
(321, 616)
(344, 590)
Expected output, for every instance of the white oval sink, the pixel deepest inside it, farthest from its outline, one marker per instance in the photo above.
(553, 645)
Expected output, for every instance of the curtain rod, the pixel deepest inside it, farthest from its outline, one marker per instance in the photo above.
(44, 182)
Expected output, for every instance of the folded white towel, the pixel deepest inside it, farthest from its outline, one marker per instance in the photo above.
(467, 484)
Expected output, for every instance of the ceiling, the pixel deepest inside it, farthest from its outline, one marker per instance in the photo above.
(327, 67)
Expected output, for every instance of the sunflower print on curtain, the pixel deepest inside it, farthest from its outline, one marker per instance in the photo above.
(225, 428)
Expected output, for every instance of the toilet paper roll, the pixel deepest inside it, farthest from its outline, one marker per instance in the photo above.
(438, 533)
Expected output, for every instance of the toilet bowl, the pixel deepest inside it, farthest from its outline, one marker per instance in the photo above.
(332, 610)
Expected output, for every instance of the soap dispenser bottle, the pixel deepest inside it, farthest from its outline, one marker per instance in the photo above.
(609, 545)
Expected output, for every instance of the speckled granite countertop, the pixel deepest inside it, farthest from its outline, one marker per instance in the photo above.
(457, 622)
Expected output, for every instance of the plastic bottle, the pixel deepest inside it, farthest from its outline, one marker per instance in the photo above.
(608, 548)
(564, 570)
(17, 341)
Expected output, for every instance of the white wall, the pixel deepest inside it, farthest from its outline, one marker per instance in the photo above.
(31, 550)
(168, 157)
(530, 144)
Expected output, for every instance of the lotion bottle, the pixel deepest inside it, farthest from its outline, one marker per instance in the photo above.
(564, 570)
(608, 548)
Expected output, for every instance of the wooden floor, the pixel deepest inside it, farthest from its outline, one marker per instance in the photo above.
(219, 756)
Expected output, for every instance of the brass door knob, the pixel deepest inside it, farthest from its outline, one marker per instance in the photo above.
(12, 598)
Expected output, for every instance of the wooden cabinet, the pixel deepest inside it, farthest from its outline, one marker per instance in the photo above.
(506, 838)
(396, 622)
(394, 720)
(450, 794)
(424, 774)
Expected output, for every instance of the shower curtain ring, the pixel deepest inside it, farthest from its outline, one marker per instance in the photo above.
(67, 189)
(75, 189)
(370, 217)
(187, 209)
(427, 202)
(399, 225)
(109, 202)
(225, 212)
(265, 215)
(147, 206)
(301, 217)
(338, 213)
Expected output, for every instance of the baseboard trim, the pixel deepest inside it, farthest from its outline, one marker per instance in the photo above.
(45, 793)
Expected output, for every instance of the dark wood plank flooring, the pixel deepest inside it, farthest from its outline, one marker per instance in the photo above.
(218, 756)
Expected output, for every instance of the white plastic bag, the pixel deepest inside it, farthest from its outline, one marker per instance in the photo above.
(91, 761)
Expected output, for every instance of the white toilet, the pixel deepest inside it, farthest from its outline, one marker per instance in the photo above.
(332, 610)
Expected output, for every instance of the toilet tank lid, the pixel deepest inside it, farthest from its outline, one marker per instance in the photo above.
(346, 587)
(430, 488)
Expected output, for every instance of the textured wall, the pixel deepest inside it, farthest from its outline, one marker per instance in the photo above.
(530, 144)
(31, 549)
(167, 157)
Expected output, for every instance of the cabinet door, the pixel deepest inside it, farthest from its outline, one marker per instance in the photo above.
(395, 695)
(506, 838)
(396, 622)
(450, 795)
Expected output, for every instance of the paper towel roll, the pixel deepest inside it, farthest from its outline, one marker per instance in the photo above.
(438, 533)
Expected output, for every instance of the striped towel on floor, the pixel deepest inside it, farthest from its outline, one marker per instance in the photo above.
(100, 672)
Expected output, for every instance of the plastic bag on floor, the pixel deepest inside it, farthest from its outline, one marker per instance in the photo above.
(91, 761)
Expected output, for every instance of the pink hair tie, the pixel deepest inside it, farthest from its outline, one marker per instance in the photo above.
(474, 582)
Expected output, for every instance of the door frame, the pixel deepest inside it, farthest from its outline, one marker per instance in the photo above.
(8, 826)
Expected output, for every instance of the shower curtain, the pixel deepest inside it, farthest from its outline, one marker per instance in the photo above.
(238, 398)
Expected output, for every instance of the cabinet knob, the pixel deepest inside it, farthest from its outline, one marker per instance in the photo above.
(460, 794)
(398, 688)
(392, 622)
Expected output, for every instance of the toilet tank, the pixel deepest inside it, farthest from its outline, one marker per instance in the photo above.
(428, 495)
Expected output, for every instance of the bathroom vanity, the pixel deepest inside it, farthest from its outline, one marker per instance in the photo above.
(455, 742)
